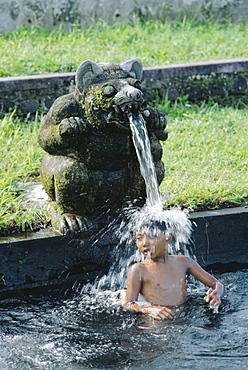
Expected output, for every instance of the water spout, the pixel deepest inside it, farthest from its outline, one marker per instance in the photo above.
(143, 151)
(176, 220)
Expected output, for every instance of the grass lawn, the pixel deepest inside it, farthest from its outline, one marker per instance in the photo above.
(35, 51)
(206, 155)
(20, 161)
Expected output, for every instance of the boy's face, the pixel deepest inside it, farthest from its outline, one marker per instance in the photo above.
(151, 242)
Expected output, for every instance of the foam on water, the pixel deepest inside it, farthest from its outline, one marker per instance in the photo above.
(214, 308)
(92, 331)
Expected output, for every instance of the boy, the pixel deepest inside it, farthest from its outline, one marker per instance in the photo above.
(161, 278)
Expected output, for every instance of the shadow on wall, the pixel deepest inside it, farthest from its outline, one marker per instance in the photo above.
(47, 14)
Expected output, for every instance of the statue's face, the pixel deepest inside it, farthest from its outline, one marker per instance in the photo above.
(111, 101)
(109, 91)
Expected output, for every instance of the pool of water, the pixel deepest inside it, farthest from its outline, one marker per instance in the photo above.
(91, 331)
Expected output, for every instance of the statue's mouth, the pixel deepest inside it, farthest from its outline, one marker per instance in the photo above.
(122, 113)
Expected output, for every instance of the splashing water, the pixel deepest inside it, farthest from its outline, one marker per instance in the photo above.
(214, 308)
(176, 220)
(149, 253)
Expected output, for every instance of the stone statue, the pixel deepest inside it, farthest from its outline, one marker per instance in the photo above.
(90, 166)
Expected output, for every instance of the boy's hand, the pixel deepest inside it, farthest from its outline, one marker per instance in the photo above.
(159, 312)
(214, 295)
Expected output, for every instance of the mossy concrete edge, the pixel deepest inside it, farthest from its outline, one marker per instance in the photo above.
(222, 81)
(219, 237)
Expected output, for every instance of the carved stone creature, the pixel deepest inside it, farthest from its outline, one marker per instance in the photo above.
(90, 166)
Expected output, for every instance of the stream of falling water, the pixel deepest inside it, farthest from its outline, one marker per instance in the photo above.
(176, 220)
(143, 151)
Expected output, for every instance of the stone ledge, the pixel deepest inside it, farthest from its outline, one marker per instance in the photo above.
(224, 81)
(219, 237)
(200, 68)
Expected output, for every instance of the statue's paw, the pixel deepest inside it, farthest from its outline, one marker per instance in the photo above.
(156, 121)
(72, 125)
(73, 224)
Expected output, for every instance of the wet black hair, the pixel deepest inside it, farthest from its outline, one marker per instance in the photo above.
(153, 225)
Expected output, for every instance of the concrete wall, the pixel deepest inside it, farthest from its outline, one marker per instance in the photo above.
(61, 260)
(64, 13)
(225, 82)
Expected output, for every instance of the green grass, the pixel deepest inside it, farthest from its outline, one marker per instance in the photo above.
(35, 51)
(205, 157)
(20, 161)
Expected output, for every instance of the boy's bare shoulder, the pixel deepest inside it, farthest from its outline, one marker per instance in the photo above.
(180, 257)
(136, 267)
(183, 260)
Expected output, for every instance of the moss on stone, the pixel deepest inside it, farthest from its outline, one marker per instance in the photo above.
(48, 184)
(58, 209)
(101, 105)
(60, 185)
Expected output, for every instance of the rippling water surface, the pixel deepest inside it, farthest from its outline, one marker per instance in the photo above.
(91, 331)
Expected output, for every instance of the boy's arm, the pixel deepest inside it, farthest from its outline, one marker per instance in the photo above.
(216, 288)
(134, 283)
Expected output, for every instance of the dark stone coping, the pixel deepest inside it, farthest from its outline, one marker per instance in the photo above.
(194, 69)
(45, 259)
(173, 70)
(27, 82)
(224, 81)
(220, 236)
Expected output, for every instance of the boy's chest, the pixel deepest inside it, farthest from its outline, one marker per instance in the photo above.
(164, 286)
(166, 279)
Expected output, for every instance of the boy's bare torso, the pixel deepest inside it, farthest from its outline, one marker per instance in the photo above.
(161, 278)
(164, 283)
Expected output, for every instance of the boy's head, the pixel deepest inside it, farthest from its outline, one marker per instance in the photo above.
(154, 228)
(153, 238)
(173, 223)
